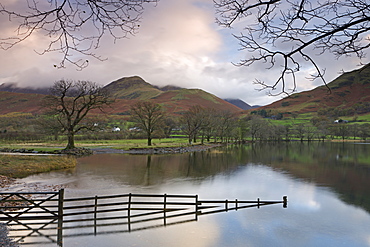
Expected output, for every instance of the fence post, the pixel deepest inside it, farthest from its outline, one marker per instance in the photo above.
(164, 208)
(196, 207)
(95, 213)
(60, 218)
(258, 203)
(129, 212)
(285, 201)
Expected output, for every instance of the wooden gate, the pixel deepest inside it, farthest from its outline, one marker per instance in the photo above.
(31, 212)
(46, 218)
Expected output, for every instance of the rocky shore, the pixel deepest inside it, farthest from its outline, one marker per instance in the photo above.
(75, 151)
(5, 241)
(87, 151)
(166, 150)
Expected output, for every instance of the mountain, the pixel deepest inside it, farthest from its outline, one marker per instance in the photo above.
(13, 87)
(127, 92)
(132, 88)
(241, 104)
(347, 92)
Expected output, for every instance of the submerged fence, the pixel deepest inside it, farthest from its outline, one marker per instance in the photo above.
(41, 217)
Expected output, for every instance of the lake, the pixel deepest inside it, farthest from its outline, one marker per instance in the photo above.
(327, 184)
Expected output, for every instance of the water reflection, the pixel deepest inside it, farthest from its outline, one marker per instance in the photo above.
(344, 167)
(112, 214)
(322, 181)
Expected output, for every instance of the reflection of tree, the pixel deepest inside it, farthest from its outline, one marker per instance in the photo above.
(343, 167)
(147, 171)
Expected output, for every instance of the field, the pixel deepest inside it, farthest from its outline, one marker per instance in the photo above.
(124, 144)
(18, 166)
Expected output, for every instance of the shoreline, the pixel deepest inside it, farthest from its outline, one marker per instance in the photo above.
(156, 150)
(81, 151)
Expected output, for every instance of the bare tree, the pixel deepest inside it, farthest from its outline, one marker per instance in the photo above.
(71, 102)
(74, 27)
(149, 116)
(226, 123)
(192, 122)
(285, 33)
(257, 126)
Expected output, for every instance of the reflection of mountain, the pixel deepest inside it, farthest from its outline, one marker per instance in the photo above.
(345, 168)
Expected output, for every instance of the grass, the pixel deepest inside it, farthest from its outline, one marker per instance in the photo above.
(133, 143)
(19, 166)
(125, 144)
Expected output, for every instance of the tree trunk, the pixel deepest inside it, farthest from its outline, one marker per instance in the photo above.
(149, 141)
(71, 140)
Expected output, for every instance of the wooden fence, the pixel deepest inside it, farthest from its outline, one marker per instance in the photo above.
(41, 217)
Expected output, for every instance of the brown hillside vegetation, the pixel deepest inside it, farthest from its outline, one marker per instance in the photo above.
(132, 88)
(345, 91)
(127, 92)
(20, 102)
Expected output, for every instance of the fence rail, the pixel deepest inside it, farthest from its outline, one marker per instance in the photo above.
(38, 215)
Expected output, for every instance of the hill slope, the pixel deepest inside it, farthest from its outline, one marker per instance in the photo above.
(346, 91)
(132, 88)
(175, 100)
(127, 92)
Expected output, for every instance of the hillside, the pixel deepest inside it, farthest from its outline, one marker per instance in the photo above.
(346, 92)
(127, 91)
(20, 102)
(175, 100)
(132, 88)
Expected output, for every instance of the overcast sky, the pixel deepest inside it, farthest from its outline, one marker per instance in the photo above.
(178, 44)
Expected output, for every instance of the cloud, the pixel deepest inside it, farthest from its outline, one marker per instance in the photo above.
(178, 43)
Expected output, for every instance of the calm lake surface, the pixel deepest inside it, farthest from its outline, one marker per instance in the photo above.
(327, 184)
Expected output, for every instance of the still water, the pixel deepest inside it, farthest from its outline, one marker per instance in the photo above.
(327, 184)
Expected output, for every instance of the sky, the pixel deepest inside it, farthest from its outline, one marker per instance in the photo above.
(178, 44)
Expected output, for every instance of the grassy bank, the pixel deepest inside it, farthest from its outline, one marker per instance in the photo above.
(19, 166)
(125, 144)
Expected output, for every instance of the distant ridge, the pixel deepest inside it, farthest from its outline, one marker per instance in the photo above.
(13, 87)
(131, 88)
(127, 91)
(241, 104)
(175, 99)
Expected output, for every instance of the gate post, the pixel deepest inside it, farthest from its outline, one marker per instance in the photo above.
(60, 217)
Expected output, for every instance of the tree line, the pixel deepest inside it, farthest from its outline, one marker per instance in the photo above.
(70, 104)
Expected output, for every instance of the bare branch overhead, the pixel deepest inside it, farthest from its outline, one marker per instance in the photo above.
(75, 28)
(285, 33)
